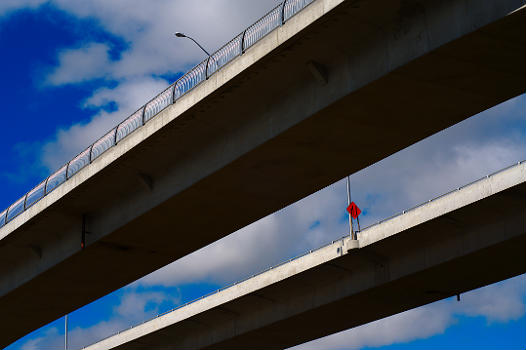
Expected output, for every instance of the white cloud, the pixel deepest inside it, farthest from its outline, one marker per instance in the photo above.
(423, 172)
(72, 139)
(8, 6)
(148, 28)
(431, 320)
(129, 95)
(77, 65)
(501, 302)
(49, 339)
(134, 304)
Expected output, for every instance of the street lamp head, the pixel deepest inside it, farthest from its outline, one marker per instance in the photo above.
(181, 35)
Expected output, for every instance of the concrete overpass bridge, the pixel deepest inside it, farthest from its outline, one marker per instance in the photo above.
(269, 127)
(463, 240)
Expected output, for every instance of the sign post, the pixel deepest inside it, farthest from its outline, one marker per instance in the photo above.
(354, 211)
(351, 231)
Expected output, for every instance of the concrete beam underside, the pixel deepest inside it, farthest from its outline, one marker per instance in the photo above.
(223, 156)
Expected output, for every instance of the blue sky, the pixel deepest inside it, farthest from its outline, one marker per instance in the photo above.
(72, 69)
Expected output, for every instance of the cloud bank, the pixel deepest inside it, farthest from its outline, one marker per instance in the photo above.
(133, 74)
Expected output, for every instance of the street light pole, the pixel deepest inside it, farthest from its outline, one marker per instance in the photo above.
(66, 332)
(181, 35)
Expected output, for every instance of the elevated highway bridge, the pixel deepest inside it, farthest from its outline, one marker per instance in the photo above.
(336, 87)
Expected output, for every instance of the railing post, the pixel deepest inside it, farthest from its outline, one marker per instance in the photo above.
(206, 68)
(243, 42)
(143, 113)
(83, 232)
(91, 153)
(173, 91)
(45, 188)
(116, 129)
(67, 168)
(283, 12)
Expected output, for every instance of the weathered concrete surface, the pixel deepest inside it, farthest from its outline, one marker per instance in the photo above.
(460, 241)
(260, 134)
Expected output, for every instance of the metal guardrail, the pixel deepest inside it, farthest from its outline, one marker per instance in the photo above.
(341, 239)
(236, 47)
(403, 212)
(223, 288)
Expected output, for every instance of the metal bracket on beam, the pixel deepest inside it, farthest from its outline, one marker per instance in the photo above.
(318, 71)
(351, 244)
(84, 232)
(146, 181)
(36, 249)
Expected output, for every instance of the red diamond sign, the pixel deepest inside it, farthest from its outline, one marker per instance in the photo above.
(353, 210)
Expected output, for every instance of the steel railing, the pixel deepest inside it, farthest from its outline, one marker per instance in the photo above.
(234, 48)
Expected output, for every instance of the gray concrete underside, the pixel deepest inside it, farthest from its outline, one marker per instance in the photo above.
(458, 242)
(260, 134)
